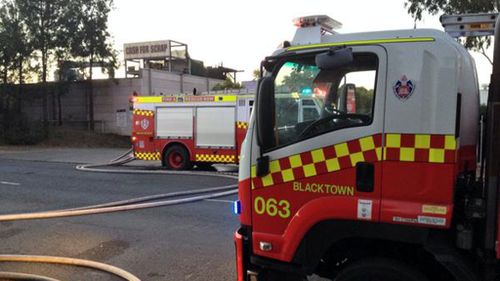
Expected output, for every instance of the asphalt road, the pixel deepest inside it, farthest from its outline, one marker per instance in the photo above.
(183, 242)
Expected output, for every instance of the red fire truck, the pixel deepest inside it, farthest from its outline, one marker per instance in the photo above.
(383, 183)
(184, 130)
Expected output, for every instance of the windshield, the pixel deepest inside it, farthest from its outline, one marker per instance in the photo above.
(310, 101)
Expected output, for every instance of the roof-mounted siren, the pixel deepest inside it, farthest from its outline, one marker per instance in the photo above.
(468, 25)
(311, 28)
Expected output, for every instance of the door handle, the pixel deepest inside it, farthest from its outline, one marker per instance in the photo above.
(365, 177)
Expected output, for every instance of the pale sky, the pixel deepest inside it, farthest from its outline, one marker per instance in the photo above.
(241, 33)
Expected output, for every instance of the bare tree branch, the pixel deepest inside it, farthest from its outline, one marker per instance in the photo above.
(483, 52)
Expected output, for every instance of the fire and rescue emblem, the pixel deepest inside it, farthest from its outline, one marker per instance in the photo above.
(144, 124)
(404, 88)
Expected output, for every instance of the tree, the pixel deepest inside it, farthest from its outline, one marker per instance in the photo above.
(6, 55)
(256, 74)
(228, 84)
(417, 8)
(16, 38)
(300, 77)
(91, 40)
(44, 23)
(364, 100)
(7, 46)
(15, 51)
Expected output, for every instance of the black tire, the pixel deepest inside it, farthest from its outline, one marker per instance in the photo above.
(176, 158)
(379, 269)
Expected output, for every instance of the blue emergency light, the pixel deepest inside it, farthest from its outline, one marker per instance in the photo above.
(307, 91)
(237, 207)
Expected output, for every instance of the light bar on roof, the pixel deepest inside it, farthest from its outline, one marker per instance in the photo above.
(327, 23)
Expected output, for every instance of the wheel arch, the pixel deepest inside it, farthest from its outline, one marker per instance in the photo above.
(327, 235)
(173, 143)
(333, 239)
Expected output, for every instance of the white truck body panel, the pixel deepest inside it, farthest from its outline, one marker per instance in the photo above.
(174, 122)
(245, 107)
(215, 126)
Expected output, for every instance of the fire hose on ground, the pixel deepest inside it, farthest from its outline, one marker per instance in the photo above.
(61, 261)
(117, 206)
(128, 157)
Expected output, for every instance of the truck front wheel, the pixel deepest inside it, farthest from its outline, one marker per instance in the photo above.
(176, 157)
(379, 270)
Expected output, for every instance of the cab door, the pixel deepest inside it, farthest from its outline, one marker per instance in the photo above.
(324, 165)
(421, 141)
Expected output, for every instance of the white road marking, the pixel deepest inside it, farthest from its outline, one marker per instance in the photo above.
(10, 183)
(219, 200)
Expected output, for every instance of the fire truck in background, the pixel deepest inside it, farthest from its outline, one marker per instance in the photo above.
(183, 130)
(187, 130)
(383, 183)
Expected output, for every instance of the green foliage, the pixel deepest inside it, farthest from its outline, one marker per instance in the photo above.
(256, 74)
(43, 31)
(198, 68)
(21, 131)
(300, 76)
(45, 24)
(14, 46)
(17, 46)
(228, 84)
(67, 137)
(90, 41)
(47, 30)
(88, 24)
(416, 8)
(364, 100)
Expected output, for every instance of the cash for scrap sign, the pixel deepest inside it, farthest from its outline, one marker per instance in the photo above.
(147, 50)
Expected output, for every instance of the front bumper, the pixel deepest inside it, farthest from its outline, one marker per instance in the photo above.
(240, 266)
(253, 268)
(244, 270)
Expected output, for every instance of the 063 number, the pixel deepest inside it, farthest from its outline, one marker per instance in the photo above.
(272, 207)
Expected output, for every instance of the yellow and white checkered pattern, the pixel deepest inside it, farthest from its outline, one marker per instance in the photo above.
(321, 161)
(242, 125)
(143, 112)
(398, 147)
(149, 156)
(420, 148)
(215, 158)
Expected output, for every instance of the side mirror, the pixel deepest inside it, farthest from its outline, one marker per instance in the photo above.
(265, 113)
(347, 98)
(334, 59)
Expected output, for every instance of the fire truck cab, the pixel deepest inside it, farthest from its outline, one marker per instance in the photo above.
(379, 185)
